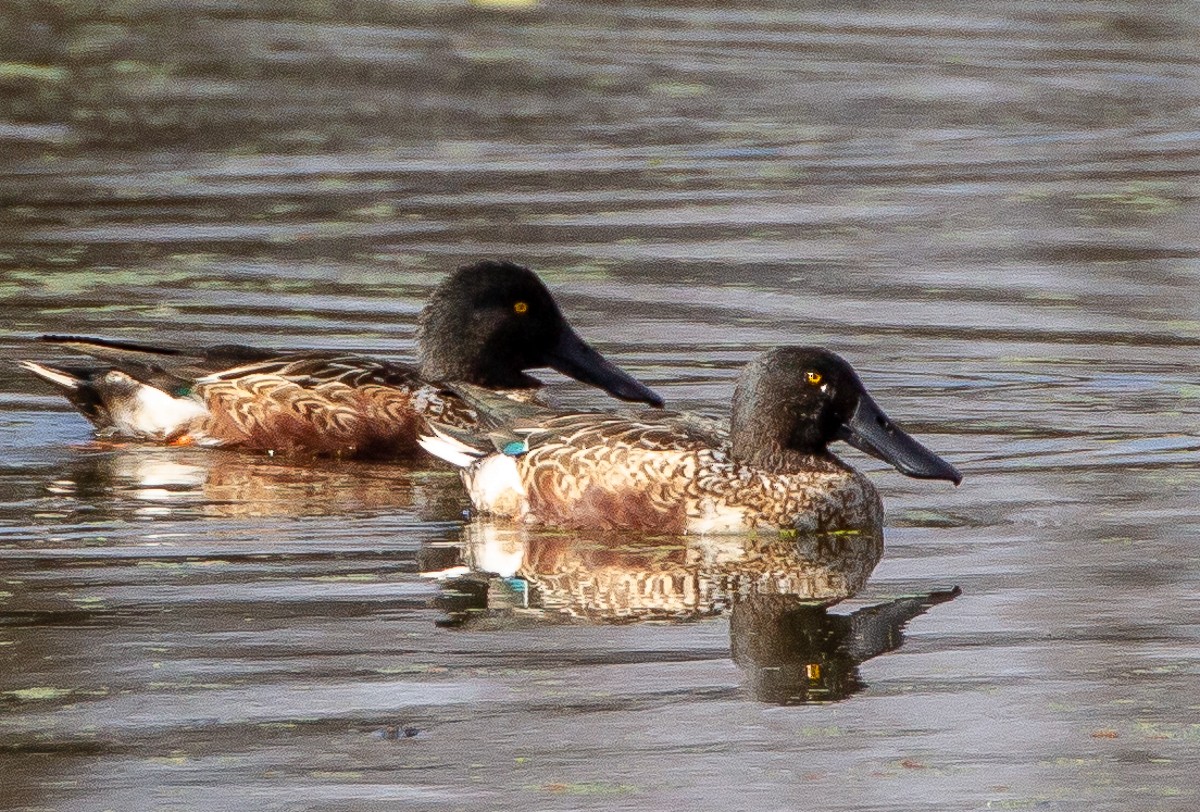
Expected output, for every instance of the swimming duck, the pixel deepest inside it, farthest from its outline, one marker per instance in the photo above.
(485, 324)
(675, 474)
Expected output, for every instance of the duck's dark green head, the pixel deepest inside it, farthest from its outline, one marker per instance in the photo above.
(488, 322)
(797, 400)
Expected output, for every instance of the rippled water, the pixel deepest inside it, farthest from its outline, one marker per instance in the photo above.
(989, 208)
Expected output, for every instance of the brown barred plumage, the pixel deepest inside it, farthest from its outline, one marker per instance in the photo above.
(338, 405)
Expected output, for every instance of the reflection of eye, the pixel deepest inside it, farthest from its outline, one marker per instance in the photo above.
(520, 307)
(813, 377)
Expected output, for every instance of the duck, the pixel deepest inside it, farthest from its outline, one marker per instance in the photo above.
(672, 473)
(485, 325)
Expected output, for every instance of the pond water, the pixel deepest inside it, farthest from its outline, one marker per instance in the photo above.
(990, 209)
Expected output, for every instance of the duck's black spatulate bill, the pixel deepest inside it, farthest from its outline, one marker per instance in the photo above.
(574, 357)
(870, 430)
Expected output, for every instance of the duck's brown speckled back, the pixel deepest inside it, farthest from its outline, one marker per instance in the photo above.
(607, 472)
(333, 404)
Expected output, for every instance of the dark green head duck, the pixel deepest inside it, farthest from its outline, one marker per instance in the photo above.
(792, 402)
(485, 324)
(489, 322)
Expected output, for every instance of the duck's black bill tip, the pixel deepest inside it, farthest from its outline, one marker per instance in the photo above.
(574, 357)
(643, 395)
(946, 471)
(870, 430)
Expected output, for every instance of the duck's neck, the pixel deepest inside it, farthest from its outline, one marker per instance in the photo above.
(436, 367)
(776, 459)
(464, 356)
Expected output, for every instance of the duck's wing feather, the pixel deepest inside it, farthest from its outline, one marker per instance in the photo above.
(514, 426)
(663, 431)
(315, 369)
(150, 360)
(502, 417)
(330, 403)
(227, 362)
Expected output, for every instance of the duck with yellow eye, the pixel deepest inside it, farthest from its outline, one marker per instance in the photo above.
(674, 473)
(486, 324)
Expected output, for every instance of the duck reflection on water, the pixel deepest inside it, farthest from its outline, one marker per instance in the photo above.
(794, 652)
(172, 483)
(775, 588)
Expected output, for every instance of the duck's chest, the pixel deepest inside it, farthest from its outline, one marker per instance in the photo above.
(736, 500)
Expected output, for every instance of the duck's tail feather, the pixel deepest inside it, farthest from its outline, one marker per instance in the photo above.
(138, 390)
(80, 385)
(65, 379)
(441, 442)
(121, 402)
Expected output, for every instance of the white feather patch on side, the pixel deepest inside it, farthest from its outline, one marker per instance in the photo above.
(495, 486)
(153, 413)
(453, 451)
(52, 375)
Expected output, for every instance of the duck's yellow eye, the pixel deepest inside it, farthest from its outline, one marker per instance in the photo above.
(520, 308)
(813, 377)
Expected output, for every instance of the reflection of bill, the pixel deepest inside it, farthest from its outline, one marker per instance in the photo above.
(794, 652)
(775, 589)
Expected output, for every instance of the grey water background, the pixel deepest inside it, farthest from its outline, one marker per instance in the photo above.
(990, 208)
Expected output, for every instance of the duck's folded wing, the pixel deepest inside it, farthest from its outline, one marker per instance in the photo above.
(665, 431)
(229, 362)
(136, 358)
(310, 369)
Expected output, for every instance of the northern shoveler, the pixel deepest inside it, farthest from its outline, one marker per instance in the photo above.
(485, 324)
(676, 474)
